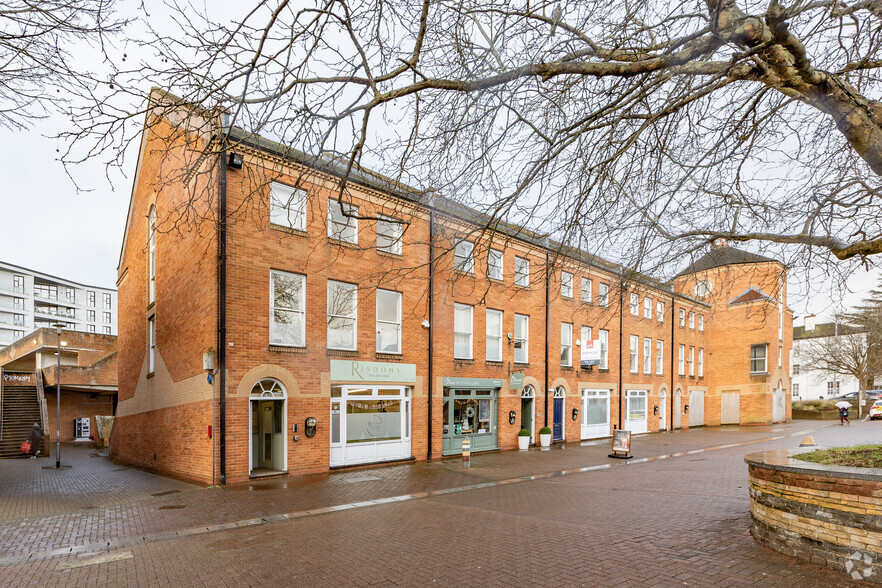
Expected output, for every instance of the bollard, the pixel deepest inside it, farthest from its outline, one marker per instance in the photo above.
(466, 453)
(808, 442)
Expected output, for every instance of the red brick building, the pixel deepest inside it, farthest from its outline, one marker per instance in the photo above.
(378, 324)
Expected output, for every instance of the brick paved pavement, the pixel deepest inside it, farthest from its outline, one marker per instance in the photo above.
(665, 522)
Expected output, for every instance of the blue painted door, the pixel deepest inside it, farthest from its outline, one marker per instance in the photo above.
(557, 430)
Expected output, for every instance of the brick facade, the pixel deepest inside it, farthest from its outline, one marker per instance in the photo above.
(173, 402)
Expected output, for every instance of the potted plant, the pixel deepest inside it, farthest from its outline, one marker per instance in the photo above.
(545, 436)
(523, 439)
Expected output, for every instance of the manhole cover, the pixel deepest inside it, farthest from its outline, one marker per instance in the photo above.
(173, 507)
(166, 493)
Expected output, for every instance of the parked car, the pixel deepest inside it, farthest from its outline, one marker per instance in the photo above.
(849, 396)
(876, 410)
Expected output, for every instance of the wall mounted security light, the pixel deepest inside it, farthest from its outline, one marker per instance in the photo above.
(234, 161)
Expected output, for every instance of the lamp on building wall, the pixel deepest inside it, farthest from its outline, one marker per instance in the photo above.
(235, 161)
(58, 327)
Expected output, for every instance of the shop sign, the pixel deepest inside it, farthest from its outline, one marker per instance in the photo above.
(372, 371)
(472, 383)
(590, 353)
(516, 381)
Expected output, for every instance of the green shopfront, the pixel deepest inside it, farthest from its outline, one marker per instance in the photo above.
(471, 407)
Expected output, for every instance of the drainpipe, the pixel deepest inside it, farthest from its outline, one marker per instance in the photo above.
(222, 311)
(673, 345)
(621, 340)
(431, 322)
(547, 321)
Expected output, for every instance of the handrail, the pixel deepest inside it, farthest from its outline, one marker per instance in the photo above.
(44, 411)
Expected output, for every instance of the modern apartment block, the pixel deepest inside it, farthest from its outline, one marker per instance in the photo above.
(378, 324)
(30, 300)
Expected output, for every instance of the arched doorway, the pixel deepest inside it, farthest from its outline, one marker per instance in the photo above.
(528, 410)
(678, 409)
(779, 409)
(268, 420)
(559, 430)
(662, 410)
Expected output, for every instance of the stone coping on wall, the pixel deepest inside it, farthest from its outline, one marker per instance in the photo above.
(783, 460)
(827, 515)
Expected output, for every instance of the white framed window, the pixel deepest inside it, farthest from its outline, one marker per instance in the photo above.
(682, 317)
(780, 319)
(342, 315)
(632, 364)
(604, 349)
(342, 221)
(494, 264)
(521, 271)
(90, 315)
(151, 261)
(566, 284)
(151, 344)
(462, 331)
(287, 309)
(494, 335)
(389, 235)
(660, 311)
(463, 257)
(586, 290)
(603, 294)
(700, 362)
(104, 297)
(106, 330)
(832, 389)
(795, 388)
(701, 323)
(388, 321)
(647, 307)
(682, 360)
(691, 361)
(105, 316)
(521, 338)
(795, 369)
(287, 206)
(647, 353)
(90, 297)
(91, 328)
(635, 304)
(758, 359)
(585, 333)
(566, 344)
(692, 320)
(659, 357)
(780, 357)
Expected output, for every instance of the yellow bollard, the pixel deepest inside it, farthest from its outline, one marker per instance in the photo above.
(808, 442)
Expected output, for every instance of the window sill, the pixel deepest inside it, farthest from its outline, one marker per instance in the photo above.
(388, 356)
(150, 375)
(289, 230)
(522, 286)
(342, 352)
(603, 370)
(462, 272)
(391, 254)
(494, 363)
(342, 243)
(462, 361)
(286, 349)
(496, 280)
(522, 365)
(566, 368)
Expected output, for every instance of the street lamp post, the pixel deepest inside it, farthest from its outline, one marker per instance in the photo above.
(58, 327)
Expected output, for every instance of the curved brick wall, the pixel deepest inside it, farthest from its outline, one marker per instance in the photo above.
(827, 515)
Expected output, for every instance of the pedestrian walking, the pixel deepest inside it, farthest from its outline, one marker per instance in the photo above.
(843, 407)
(34, 438)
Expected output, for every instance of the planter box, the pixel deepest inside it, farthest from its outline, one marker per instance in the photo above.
(523, 443)
(545, 439)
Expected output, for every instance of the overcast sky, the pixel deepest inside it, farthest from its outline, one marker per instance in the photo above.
(48, 226)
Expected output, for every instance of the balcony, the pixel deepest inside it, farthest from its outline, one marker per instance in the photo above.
(7, 287)
(54, 311)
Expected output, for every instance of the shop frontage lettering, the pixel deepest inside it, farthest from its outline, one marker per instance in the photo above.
(363, 371)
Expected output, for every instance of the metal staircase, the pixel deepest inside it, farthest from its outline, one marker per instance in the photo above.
(19, 410)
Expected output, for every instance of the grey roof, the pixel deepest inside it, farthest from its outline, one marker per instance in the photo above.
(721, 256)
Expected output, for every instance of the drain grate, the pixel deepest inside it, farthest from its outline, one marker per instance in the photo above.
(173, 507)
(166, 493)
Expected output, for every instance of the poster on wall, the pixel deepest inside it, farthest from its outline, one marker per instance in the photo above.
(590, 353)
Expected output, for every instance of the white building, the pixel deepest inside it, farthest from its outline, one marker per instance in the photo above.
(30, 300)
(811, 384)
